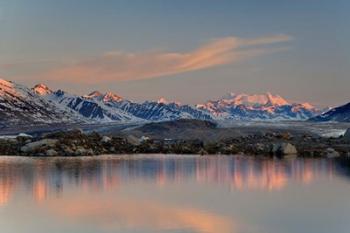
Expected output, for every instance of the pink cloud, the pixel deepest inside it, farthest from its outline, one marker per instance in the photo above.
(119, 66)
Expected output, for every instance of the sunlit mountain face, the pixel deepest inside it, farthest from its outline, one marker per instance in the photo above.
(258, 107)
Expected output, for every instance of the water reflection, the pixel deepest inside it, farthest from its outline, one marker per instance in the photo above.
(156, 193)
(50, 176)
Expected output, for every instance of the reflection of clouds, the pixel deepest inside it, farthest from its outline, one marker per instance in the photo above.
(112, 213)
(49, 176)
(6, 188)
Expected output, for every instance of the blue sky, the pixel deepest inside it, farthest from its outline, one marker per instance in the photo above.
(84, 45)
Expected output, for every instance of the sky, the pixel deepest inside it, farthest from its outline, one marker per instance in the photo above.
(185, 50)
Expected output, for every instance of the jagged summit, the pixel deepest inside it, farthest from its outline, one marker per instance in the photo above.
(42, 89)
(111, 97)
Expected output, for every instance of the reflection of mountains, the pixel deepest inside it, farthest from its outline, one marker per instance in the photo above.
(43, 177)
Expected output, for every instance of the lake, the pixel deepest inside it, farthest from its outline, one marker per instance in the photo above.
(174, 194)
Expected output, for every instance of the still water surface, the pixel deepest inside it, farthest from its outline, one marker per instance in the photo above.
(174, 194)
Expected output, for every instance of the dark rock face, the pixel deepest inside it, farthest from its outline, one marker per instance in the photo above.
(87, 109)
(154, 111)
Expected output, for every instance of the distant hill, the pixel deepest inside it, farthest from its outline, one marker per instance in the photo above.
(338, 114)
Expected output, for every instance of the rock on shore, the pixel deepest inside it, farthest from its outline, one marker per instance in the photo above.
(282, 149)
(33, 146)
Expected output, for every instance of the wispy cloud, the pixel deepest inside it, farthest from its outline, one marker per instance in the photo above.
(117, 66)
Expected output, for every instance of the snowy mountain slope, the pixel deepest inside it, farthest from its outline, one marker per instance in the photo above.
(21, 105)
(157, 111)
(111, 107)
(89, 107)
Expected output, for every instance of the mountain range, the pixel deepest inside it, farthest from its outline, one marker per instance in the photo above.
(40, 104)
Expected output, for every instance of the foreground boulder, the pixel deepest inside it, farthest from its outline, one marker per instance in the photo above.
(282, 149)
(331, 153)
(33, 146)
(135, 141)
(51, 152)
(106, 139)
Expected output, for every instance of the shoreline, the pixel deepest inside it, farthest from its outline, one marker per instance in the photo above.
(76, 143)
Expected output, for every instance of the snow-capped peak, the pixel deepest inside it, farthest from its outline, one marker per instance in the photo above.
(162, 100)
(42, 89)
(107, 97)
(254, 100)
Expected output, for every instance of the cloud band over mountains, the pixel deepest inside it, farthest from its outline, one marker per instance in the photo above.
(122, 66)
